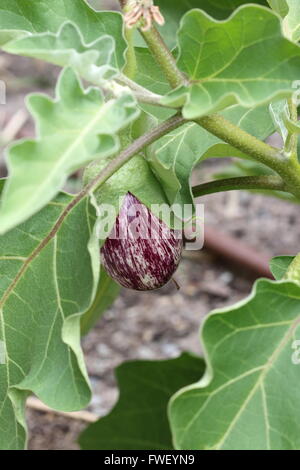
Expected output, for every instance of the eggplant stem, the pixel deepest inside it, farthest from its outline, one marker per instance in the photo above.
(176, 283)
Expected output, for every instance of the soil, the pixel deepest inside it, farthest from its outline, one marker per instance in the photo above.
(163, 323)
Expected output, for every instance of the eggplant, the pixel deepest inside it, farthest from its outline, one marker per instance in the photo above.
(141, 253)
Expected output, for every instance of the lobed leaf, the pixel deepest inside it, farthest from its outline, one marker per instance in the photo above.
(94, 62)
(173, 13)
(72, 129)
(248, 398)
(47, 281)
(244, 60)
(26, 18)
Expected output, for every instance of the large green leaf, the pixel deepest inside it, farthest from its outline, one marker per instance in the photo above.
(47, 281)
(248, 398)
(72, 129)
(139, 420)
(173, 12)
(27, 17)
(244, 60)
(94, 62)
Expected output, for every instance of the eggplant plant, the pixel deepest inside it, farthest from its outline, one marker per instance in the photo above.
(145, 95)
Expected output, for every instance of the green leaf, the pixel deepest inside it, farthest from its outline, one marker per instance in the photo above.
(47, 281)
(139, 420)
(280, 6)
(293, 272)
(72, 129)
(248, 398)
(285, 126)
(255, 64)
(23, 17)
(279, 266)
(175, 155)
(107, 292)
(94, 61)
(291, 22)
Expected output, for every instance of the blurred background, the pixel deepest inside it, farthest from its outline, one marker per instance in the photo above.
(243, 231)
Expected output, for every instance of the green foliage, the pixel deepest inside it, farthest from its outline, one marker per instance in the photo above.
(173, 12)
(47, 282)
(279, 266)
(237, 59)
(232, 62)
(248, 397)
(73, 129)
(23, 18)
(139, 420)
(174, 156)
(94, 61)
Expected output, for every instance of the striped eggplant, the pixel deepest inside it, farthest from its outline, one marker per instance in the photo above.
(142, 252)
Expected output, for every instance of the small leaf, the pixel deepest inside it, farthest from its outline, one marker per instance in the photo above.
(73, 129)
(93, 62)
(255, 64)
(280, 6)
(107, 291)
(248, 398)
(279, 266)
(139, 420)
(47, 281)
(291, 22)
(22, 17)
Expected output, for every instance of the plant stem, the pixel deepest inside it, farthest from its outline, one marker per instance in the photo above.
(274, 183)
(141, 94)
(163, 57)
(217, 125)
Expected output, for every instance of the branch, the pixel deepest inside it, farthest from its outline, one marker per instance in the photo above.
(141, 94)
(272, 183)
(164, 57)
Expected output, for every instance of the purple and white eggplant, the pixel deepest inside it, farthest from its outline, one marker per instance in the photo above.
(142, 252)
